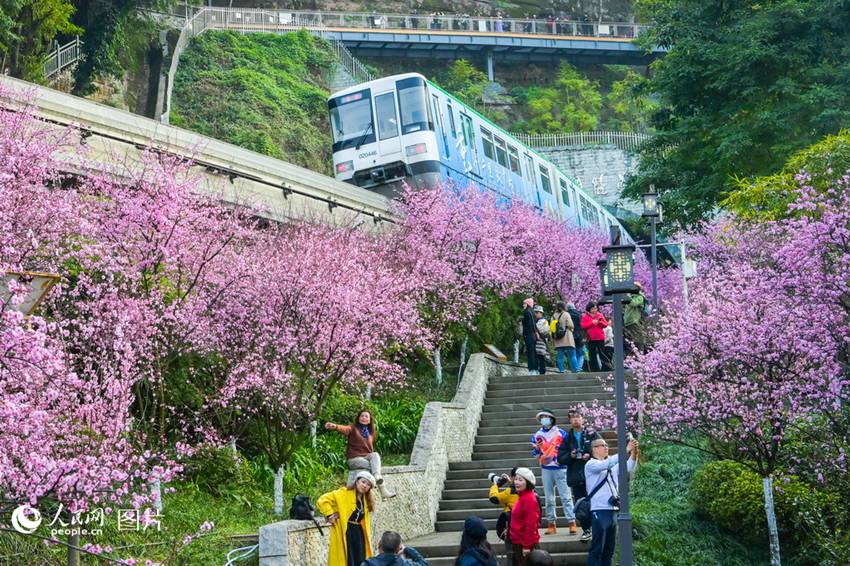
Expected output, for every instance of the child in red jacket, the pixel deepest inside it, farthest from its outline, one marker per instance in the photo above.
(525, 517)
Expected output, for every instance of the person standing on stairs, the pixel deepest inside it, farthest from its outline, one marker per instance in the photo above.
(575, 452)
(565, 345)
(529, 334)
(347, 509)
(525, 518)
(361, 453)
(541, 352)
(578, 338)
(593, 322)
(546, 443)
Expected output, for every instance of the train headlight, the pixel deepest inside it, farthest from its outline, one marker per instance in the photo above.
(343, 167)
(417, 149)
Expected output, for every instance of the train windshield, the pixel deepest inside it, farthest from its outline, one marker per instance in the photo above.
(351, 120)
(413, 106)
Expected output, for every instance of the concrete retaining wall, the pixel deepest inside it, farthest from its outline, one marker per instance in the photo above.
(446, 434)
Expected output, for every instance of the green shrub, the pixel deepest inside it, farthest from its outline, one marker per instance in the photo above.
(218, 470)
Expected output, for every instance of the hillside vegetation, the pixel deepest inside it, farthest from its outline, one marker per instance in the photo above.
(263, 92)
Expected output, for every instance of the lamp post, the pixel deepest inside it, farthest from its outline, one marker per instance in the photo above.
(651, 211)
(618, 282)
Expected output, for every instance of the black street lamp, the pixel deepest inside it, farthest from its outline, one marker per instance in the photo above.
(652, 211)
(618, 282)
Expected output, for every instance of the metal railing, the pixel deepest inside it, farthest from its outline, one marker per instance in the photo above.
(349, 62)
(627, 141)
(62, 57)
(271, 20)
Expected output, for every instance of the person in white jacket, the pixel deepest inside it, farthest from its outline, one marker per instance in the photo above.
(603, 468)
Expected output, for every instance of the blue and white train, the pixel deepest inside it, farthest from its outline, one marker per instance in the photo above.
(404, 128)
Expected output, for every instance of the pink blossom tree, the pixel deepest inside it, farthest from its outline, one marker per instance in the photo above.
(750, 360)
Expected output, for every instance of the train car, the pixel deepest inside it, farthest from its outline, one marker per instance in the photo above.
(405, 129)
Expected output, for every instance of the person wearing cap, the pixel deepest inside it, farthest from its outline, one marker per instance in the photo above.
(541, 348)
(474, 548)
(603, 469)
(633, 318)
(546, 443)
(529, 334)
(347, 509)
(394, 553)
(360, 451)
(525, 517)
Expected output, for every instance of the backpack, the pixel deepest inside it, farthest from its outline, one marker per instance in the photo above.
(302, 510)
(582, 507)
(559, 331)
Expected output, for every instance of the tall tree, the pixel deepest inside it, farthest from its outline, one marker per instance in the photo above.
(744, 84)
(27, 30)
(571, 104)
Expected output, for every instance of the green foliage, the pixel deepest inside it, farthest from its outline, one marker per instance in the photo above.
(259, 91)
(667, 529)
(732, 496)
(218, 471)
(27, 30)
(768, 197)
(573, 103)
(743, 86)
(629, 104)
(465, 82)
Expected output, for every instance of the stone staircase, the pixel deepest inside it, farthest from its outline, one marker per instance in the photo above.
(502, 442)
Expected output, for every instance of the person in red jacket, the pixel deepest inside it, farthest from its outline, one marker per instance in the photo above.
(525, 517)
(594, 323)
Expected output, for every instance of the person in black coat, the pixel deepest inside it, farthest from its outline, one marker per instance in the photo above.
(575, 452)
(394, 553)
(529, 334)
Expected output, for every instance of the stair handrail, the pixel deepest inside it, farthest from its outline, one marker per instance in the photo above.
(62, 57)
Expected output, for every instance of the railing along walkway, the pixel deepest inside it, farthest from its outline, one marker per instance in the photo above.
(271, 20)
(627, 141)
(62, 57)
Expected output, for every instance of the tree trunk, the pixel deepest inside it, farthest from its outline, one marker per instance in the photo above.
(73, 553)
(278, 491)
(438, 365)
(772, 531)
(157, 495)
(233, 450)
(462, 357)
(313, 426)
(516, 351)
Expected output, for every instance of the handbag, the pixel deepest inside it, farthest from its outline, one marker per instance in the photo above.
(582, 506)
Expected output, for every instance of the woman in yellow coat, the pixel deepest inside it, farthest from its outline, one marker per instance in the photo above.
(347, 509)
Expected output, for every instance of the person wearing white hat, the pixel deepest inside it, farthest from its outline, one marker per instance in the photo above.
(525, 517)
(546, 442)
(347, 509)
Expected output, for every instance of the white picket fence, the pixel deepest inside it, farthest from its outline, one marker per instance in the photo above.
(627, 141)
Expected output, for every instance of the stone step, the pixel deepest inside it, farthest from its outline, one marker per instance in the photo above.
(548, 391)
(457, 524)
(560, 406)
(520, 437)
(498, 463)
(521, 382)
(488, 430)
(476, 492)
(525, 416)
(513, 450)
(560, 559)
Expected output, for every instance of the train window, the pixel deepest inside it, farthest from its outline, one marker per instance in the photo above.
(587, 212)
(513, 158)
(468, 130)
(565, 194)
(351, 120)
(544, 179)
(453, 128)
(501, 154)
(437, 117)
(413, 105)
(387, 122)
(489, 151)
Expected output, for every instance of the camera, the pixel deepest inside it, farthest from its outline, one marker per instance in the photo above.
(614, 501)
(499, 479)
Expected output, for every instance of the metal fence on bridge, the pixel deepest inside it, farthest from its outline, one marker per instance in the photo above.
(627, 141)
(273, 20)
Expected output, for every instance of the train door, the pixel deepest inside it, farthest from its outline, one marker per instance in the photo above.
(531, 176)
(470, 155)
(389, 142)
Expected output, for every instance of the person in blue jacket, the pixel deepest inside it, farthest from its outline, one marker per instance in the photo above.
(394, 553)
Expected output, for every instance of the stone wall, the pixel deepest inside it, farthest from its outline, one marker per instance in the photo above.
(446, 434)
